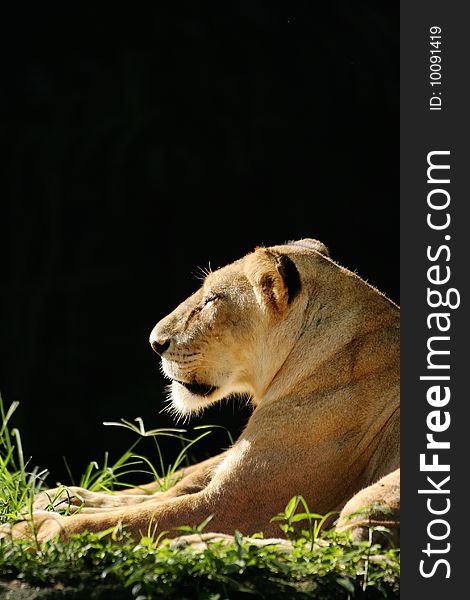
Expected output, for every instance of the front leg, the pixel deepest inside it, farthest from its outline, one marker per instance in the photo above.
(71, 499)
(138, 520)
(243, 494)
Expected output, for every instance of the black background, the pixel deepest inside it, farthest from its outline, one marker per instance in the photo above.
(142, 145)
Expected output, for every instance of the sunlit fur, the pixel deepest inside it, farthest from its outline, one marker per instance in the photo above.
(315, 349)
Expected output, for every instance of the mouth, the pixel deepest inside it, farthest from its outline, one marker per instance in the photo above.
(199, 389)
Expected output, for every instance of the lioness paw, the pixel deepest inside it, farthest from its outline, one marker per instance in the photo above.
(43, 526)
(374, 511)
(73, 499)
(61, 499)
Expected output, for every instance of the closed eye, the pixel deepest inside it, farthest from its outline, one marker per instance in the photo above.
(209, 299)
(197, 309)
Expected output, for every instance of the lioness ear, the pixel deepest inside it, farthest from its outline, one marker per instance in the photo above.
(311, 244)
(274, 277)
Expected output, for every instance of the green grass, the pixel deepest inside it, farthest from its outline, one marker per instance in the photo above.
(320, 565)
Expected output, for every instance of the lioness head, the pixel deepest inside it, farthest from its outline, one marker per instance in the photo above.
(233, 335)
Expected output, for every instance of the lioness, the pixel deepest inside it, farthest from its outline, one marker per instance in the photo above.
(317, 350)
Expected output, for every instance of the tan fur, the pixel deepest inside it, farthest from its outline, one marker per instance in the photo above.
(321, 366)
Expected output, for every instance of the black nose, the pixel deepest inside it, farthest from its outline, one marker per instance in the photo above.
(160, 346)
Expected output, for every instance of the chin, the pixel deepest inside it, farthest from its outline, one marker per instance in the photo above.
(188, 400)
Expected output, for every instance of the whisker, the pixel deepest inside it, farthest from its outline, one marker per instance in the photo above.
(203, 272)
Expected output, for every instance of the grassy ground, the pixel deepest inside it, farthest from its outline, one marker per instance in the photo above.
(318, 565)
